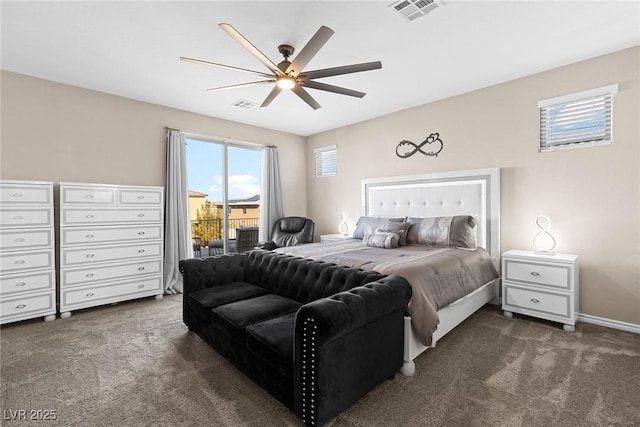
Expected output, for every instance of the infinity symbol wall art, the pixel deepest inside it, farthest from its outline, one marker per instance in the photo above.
(406, 149)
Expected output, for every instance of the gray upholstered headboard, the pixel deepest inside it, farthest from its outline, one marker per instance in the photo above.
(471, 192)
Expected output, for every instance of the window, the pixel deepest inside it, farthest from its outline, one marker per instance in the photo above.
(581, 119)
(326, 161)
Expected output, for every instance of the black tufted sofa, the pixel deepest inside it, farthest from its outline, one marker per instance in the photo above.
(316, 336)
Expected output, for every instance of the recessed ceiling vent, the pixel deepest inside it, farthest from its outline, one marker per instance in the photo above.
(247, 105)
(413, 9)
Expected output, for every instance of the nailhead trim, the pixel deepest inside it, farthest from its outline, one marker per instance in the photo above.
(309, 329)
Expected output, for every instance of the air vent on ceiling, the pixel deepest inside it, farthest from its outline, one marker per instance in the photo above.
(247, 105)
(412, 9)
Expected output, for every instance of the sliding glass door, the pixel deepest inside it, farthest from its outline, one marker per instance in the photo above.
(224, 196)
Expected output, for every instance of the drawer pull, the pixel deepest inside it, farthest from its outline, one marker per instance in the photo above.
(21, 284)
(140, 197)
(535, 273)
(20, 261)
(140, 233)
(19, 239)
(21, 306)
(140, 286)
(90, 216)
(18, 217)
(140, 215)
(90, 255)
(17, 195)
(140, 268)
(535, 300)
(89, 196)
(90, 236)
(90, 294)
(89, 275)
(141, 251)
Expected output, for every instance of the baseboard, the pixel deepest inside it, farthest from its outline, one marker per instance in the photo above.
(609, 323)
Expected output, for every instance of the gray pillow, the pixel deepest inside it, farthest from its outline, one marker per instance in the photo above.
(455, 231)
(401, 229)
(369, 224)
(381, 239)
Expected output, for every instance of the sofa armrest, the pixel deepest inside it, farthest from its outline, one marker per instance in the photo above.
(347, 344)
(202, 273)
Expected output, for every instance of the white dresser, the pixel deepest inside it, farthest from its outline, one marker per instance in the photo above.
(111, 244)
(544, 286)
(27, 260)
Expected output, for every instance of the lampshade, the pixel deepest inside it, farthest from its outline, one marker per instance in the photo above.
(543, 241)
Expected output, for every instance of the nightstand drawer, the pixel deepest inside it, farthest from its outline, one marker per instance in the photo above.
(540, 301)
(538, 274)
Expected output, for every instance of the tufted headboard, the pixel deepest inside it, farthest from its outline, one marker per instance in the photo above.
(470, 192)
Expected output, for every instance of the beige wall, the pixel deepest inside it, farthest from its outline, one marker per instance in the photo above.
(592, 195)
(55, 132)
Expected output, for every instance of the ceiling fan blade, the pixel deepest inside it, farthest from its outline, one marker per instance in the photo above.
(251, 48)
(272, 95)
(298, 90)
(310, 50)
(345, 69)
(332, 88)
(213, 89)
(229, 67)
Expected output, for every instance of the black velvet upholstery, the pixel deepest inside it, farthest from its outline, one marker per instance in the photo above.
(316, 336)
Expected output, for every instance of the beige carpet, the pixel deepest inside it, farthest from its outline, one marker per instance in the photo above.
(135, 364)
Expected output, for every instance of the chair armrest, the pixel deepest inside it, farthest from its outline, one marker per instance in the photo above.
(202, 273)
(347, 344)
(268, 246)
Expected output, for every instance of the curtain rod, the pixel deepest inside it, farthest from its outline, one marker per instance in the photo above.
(221, 138)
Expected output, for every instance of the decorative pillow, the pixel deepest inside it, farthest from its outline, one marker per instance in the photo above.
(401, 229)
(369, 224)
(381, 239)
(456, 231)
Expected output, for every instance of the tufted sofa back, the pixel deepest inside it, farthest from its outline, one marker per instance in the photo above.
(301, 279)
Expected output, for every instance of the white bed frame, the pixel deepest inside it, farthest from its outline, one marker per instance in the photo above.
(470, 192)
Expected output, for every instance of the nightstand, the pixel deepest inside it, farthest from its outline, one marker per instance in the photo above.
(334, 237)
(540, 285)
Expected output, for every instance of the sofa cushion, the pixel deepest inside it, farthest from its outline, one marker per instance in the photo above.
(232, 319)
(272, 341)
(201, 302)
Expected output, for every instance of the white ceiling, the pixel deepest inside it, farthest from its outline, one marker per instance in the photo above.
(131, 49)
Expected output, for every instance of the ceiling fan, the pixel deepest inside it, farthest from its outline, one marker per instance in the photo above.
(289, 75)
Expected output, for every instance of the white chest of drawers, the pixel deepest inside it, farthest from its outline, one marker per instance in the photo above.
(544, 286)
(27, 260)
(111, 244)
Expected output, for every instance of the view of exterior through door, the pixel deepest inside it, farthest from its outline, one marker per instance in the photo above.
(224, 196)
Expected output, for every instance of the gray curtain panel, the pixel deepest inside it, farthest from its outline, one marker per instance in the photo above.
(271, 204)
(177, 230)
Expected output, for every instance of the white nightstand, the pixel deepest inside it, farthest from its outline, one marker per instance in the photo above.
(544, 286)
(334, 237)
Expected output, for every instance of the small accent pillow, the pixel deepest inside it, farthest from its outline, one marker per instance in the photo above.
(381, 239)
(369, 224)
(456, 231)
(401, 229)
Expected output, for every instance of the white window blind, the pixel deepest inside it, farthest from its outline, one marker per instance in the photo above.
(326, 161)
(577, 120)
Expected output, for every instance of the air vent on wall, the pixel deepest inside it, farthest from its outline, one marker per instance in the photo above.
(247, 105)
(412, 9)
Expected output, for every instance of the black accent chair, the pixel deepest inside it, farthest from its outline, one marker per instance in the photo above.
(290, 231)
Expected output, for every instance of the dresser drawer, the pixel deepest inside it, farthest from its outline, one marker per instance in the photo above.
(91, 235)
(88, 195)
(75, 298)
(537, 300)
(25, 194)
(110, 216)
(30, 282)
(14, 262)
(118, 271)
(79, 256)
(26, 307)
(38, 217)
(140, 196)
(24, 239)
(539, 274)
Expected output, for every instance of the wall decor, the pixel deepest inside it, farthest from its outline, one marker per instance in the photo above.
(406, 149)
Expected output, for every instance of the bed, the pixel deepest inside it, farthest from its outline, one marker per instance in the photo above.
(450, 281)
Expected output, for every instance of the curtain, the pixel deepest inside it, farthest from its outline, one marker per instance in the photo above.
(271, 205)
(177, 230)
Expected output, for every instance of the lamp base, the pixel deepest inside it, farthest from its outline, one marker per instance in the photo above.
(544, 253)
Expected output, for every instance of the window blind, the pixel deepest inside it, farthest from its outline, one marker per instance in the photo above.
(326, 161)
(577, 119)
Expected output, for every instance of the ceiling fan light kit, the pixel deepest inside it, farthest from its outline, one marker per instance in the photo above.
(289, 75)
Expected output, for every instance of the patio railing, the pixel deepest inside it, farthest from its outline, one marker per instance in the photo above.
(203, 231)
